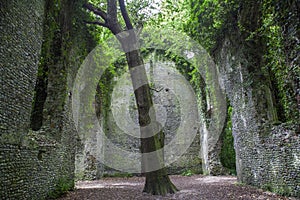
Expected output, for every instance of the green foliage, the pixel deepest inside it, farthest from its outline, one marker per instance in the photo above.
(63, 185)
(187, 173)
(274, 27)
(208, 20)
(240, 184)
(172, 14)
(142, 11)
(99, 33)
(283, 70)
(283, 190)
(227, 155)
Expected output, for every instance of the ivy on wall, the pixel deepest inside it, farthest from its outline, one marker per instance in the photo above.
(280, 31)
(208, 20)
(49, 56)
(277, 30)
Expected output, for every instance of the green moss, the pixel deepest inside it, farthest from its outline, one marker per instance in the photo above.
(283, 190)
(188, 172)
(210, 19)
(279, 55)
(267, 187)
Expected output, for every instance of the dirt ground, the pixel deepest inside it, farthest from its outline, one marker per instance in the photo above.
(191, 188)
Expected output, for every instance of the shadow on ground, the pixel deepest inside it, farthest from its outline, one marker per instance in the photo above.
(191, 188)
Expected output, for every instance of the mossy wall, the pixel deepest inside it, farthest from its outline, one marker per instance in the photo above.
(267, 150)
(254, 44)
(168, 110)
(266, 154)
(113, 98)
(44, 41)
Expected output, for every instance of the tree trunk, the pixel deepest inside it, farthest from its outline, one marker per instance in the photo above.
(152, 138)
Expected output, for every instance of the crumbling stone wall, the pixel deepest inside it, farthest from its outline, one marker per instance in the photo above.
(168, 110)
(37, 162)
(89, 162)
(266, 155)
(267, 151)
(266, 143)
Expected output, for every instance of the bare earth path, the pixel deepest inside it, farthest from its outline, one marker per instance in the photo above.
(191, 188)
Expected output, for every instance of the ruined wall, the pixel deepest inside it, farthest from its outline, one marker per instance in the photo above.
(20, 46)
(267, 150)
(168, 113)
(43, 41)
(21, 38)
(266, 155)
(119, 120)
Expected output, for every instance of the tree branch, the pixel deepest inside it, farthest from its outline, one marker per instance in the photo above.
(112, 17)
(112, 11)
(95, 10)
(125, 15)
(97, 23)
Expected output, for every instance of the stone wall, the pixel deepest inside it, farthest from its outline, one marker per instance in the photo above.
(42, 41)
(119, 121)
(31, 173)
(20, 46)
(267, 155)
(275, 165)
(267, 150)
(168, 113)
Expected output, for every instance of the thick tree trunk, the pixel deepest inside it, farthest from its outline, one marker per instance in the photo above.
(152, 138)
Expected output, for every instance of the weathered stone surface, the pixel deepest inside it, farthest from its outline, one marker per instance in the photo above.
(124, 134)
(20, 47)
(37, 164)
(266, 155)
